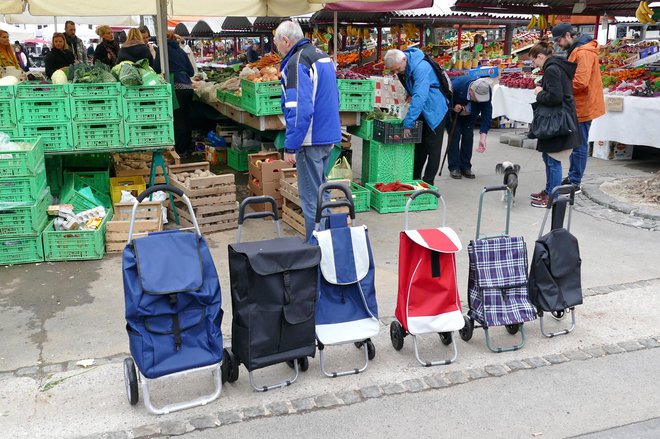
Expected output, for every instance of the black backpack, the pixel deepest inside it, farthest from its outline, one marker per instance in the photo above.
(445, 83)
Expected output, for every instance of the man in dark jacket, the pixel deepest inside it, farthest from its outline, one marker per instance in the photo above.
(253, 53)
(310, 102)
(75, 44)
(427, 103)
(471, 98)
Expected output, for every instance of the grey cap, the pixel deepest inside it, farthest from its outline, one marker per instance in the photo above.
(481, 89)
(560, 29)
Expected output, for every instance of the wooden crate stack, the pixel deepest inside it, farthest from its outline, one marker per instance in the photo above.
(264, 179)
(139, 164)
(212, 196)
(291, 210)
(148, 218)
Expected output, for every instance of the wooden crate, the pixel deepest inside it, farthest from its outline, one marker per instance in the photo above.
(148, 219)
(213, 186)
(119, 162)
(289, 186)
(293, 216)
(209, 218)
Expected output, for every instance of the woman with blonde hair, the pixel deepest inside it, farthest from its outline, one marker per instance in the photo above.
(134, 48)
(108, 49)
(60, 56)
(7, 55)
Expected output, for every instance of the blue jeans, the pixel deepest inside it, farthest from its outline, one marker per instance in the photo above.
(579, 155)
(311, 163)
(460, 145)
(552, 173)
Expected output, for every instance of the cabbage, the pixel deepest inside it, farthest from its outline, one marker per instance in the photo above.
(59, 77)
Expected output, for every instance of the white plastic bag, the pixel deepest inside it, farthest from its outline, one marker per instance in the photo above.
(341, 170)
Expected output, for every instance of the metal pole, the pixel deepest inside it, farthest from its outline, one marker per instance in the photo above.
(508, 39)
(460, 37)
(334, 37)
(596, 26)
(379, 43)
(161, 34)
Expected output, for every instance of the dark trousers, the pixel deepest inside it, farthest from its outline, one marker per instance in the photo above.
(460, 145)
(429, 151)
(182, 123)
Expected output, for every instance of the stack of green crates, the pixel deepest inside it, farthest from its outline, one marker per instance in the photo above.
(43, 110)
(391, 202)
(356, 95)
(387, 163)
(96, 115)
(261, 98)
(78, 244)
(24, 200)
(148, 115)
(8, 110)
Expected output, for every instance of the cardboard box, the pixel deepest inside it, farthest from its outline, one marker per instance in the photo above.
(606, 150)
(263, 171)
(267, 188)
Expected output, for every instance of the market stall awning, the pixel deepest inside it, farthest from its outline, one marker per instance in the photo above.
(325, 17)
(11, 6)
(442, 13)
(237, 24)
(554, 7)
(207, 28)
(267, 23)
(115, 20)
(378, 6)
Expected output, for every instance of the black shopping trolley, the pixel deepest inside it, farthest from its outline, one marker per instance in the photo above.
(555, 284)
(274, 287)
(497, 283)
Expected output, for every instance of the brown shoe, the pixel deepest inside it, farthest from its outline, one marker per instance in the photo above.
(542, 203)
(538, 195)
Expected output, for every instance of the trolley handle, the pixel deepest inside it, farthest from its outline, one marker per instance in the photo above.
(497, 188)
(347, 202)
(242, 216)
(159, 187)
(567, 189)
(561, 197)
(416, 194)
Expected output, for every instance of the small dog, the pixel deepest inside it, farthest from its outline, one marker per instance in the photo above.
(510, 172)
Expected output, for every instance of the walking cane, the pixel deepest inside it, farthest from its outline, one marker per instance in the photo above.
(451, 136)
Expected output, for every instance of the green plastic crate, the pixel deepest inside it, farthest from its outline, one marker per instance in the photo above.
(56, 137)
(24, 219)
(233, 99)
(148, 134)
(23, 162)
(94, 109)
(390, 202)
(237, 160)
(7, 114)
(86, 160)
(220, 95)
(147, 91)
(98, 135)
(148, 110)
(95, 90)
(75, 192)
(350, 101)
(43, 110)
(357, 85)
(361, 198)
(23, 250)
(54, 174)
(7, 91)
(31, 90)
(74, 245)
(272, 88)
(23, 189)
(261, 104)
(387, 163)
(99, 178)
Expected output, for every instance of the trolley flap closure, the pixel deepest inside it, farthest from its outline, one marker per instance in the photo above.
(500, 263)
(278, 255)
(169, 262)
(443, 239)
(346, 254)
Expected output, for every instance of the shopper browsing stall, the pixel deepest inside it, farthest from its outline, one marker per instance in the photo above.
(74, 43)
(471, 98)
(60, 56)
(427, 104)
(556, 95)
(7, 56)
(311, 109)
(146, 35)
(134, 49)
(587, 90)
(107, 50)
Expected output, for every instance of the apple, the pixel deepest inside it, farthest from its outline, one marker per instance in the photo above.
(258, 163)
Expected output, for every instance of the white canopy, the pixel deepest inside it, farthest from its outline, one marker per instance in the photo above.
(27, 18)
(16, 33)
(82, 32)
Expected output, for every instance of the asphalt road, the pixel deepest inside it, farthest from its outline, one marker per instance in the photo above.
(559, 402)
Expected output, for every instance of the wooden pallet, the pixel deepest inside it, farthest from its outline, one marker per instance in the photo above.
(210, 218)
(218, 226)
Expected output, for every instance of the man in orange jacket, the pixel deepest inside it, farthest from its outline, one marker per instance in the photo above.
(587, 91)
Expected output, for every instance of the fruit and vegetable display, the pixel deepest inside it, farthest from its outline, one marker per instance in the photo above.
(520, 80)
(344, 59)
(350, 74)
(231, 84)
(270, 60)
(646, 14)
(397, 186)
(639, 82)
(266, 74)
(220, 75)
(379, 114)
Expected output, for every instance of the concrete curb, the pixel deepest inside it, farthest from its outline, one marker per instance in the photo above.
(345, 398)
(591, 189)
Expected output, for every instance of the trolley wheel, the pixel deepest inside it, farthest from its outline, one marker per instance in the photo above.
(230, 367)
(445, 338)
(225, 368)
(303, 363)
(558, 315)
(130, 380)
(371, 350)
(513, 329)
(396, 335)
(320, 345)
(468, 329)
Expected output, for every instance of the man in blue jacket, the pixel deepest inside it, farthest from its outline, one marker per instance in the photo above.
(427, 104)
(310, 102)
(471, 98)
